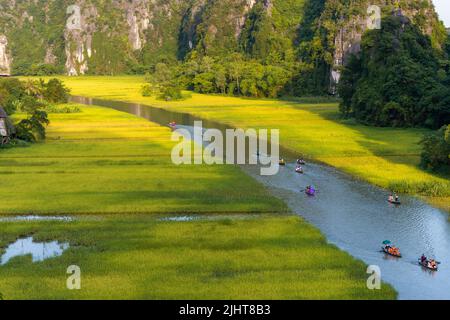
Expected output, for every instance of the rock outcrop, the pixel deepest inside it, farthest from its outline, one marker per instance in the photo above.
(350, 28)
(138, 19)
(109, 37)
(5, 60)
(78, 34)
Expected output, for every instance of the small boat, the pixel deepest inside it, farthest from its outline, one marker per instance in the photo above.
(394, 199)
(282, 162)
(299, 170)
(310, 191)
(394, 253)
(427, 264)
(301, 162)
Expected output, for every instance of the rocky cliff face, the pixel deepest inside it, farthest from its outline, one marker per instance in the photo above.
(213, 27)
(5, 61)
(88, 35)
(115, 36)
(92, 35)
(351, 21)
(78, 35)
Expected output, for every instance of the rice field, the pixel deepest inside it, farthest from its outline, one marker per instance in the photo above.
(142, 257)
(387, 157)
(102, 161)
(111, 172)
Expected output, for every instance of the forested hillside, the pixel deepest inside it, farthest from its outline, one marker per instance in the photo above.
(302, 43)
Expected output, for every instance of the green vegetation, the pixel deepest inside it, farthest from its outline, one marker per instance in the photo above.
(100, 164)
(238, 47)
(142, 257)
(162, 84)
(234, 75)
(436, 150)
(121, 164)
(32, 99)
(55, 92)
(388, 157)
(397, 80)
(328, 20)
(15, 97)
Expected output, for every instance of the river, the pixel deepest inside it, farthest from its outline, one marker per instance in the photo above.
(353, 215)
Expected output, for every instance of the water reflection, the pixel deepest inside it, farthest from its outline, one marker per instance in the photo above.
(39, 251)
(35, 218)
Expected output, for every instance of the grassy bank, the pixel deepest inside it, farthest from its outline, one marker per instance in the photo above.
(140, 257)
(387, 157)
(100, 164)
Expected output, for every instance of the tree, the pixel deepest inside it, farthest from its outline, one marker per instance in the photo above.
(32, 128)
(170, 92)
(436, 150)
(162, 74)
(204, 82)
(11, 91)
(235, 66)
(25, 97)
(276, 79)
(56, 92)
(220, 78)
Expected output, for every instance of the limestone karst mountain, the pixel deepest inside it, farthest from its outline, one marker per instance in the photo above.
(122, 36)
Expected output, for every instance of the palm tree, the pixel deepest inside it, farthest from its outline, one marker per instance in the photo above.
(35, 88)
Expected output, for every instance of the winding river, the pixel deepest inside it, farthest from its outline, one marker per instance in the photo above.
(353, 215)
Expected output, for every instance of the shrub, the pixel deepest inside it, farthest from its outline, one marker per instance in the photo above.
(56, 92)
(32, 129)
(148, 90)
(436, 150)
(171, 92)
(49, 108)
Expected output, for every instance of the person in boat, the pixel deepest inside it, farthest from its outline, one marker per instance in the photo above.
(432, 263)
(423, 259)
(299, 169)
(300, 161)
(310, 190)
(397, 198)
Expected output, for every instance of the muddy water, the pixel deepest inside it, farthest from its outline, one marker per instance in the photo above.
(353, 215)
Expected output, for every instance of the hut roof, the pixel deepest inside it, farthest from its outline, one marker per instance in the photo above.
(3, 113)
